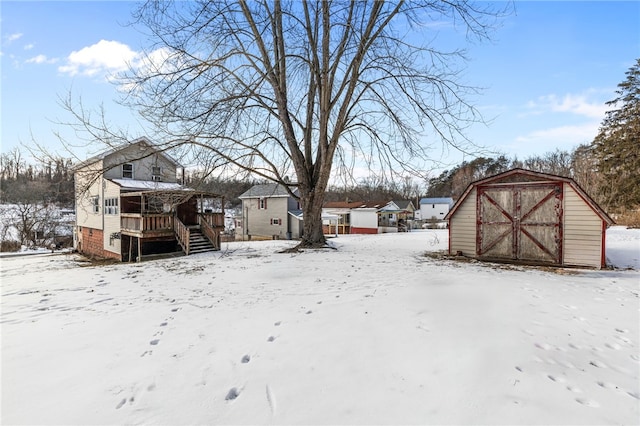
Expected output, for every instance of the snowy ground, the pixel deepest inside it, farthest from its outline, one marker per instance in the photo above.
(372, 333)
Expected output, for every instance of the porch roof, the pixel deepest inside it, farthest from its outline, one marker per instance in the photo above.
(146, 185)
(183, 192)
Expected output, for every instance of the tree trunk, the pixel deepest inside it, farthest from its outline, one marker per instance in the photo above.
(313, 234)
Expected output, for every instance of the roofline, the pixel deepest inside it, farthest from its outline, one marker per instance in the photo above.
(590, 201)
(143, 139)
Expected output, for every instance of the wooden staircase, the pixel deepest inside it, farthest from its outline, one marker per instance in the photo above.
(198, 243)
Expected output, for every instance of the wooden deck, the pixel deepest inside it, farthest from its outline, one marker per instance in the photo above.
(154, 225)
(146, 225)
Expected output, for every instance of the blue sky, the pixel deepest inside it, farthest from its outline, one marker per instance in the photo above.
(546, 75)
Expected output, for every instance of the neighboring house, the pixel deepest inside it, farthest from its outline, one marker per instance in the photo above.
(270, 211)
(129, 204)
(529, 217)
(341, 211)
(434, 208)
(375, 217)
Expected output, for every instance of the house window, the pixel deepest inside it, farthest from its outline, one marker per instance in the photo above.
(263, 204)
(156, 173)
(127, 171)
(111, 205)
(275, 221)
(95, 204)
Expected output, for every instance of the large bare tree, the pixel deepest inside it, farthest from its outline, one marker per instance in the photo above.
(290, 91)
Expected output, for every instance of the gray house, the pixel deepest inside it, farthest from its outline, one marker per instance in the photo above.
(269, 211)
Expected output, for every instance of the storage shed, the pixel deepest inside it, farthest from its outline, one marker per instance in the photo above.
(529, 217)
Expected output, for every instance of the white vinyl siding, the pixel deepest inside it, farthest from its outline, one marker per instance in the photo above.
(582, 232)
(85, 214)
(364, 218)
(111, 221)
(462, 226)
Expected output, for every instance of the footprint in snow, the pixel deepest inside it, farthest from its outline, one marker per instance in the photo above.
(556, 379)
(232, 394)
(245, 359)
(154, 342)
(587, 402)
(271, 338)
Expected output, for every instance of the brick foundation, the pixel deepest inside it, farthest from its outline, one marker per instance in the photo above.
(92, 244)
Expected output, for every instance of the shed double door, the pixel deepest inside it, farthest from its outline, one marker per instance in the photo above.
(520, 222)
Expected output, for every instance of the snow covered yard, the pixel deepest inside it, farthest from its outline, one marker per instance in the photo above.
(372, 333)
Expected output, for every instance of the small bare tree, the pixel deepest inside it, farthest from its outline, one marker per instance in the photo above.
(300, 88)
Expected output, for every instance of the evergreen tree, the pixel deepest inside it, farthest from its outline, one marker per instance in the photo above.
(617, 148)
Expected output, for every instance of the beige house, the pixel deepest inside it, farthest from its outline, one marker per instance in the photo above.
(129, 204)
(269, 211)
(529, 217)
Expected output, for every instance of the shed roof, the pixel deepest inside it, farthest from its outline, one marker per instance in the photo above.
(519, 175)
(437, 200)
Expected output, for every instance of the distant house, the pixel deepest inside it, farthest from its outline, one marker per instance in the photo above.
(369, 217)
(341, 210)
(129, 204)
(270, 211)
(434, 208)
(529, 217)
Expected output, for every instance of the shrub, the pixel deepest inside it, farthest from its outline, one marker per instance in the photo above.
(629, 218)
(7, 246)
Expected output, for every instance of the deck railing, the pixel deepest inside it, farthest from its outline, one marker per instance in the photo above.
(216, 220)
(137, 222)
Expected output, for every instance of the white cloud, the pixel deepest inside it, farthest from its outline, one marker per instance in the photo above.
(578, 104)
(13, 37)
(29, 46)
(563, 137)
(104, 57)
(41, 59)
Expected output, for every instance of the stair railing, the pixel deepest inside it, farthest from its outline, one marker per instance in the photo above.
(209, 232)
(182, 234)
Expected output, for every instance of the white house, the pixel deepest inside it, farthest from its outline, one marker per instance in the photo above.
(434, 208)
(374, 217)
